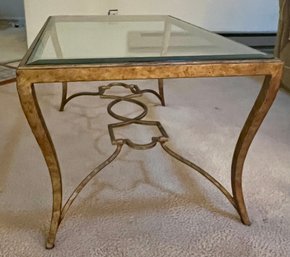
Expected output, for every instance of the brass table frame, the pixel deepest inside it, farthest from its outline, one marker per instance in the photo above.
(28, 75)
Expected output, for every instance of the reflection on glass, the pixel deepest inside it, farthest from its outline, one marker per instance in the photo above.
(105, 39)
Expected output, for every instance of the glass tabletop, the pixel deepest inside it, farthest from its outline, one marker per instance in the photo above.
(120, 39)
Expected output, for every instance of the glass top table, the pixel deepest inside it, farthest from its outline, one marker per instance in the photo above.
(120, 48)
(111, 39)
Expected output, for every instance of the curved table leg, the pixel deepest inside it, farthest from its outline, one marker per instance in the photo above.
(262, 105)
(34, 117)
(63, 96)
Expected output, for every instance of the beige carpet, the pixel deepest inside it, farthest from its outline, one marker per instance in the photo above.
(6, 74)
(145, 203)
(13, 44)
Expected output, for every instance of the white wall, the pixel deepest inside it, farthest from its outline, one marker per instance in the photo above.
(223, 15)
(37, 11)
(11, 9)
(217, 15)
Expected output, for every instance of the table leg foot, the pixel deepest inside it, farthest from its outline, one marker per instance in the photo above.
(246, 221)
(49, 245)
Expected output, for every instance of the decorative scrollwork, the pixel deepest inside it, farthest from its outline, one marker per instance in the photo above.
(162, 139)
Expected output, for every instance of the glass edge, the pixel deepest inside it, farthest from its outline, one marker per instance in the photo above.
(93, 17)
(151, 59)
(33, 47)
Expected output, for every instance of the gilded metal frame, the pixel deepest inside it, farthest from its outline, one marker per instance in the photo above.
(28, 75)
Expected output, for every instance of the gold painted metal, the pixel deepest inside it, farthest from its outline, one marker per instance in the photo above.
(161, 91)
(65, 99)
(118, 117)
(161, 139)
(202, 172)
(155, 140)
(28, 75)
(87, 179)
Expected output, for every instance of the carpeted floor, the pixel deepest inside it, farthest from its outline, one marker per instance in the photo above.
(6, 74)
(13, 44)
(145, 203)
(12, 48)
